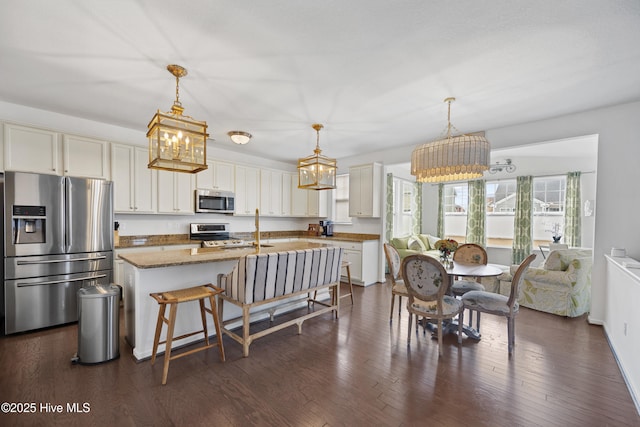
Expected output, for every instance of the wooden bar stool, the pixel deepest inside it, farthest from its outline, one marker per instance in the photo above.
(173, 298)
(347, 265)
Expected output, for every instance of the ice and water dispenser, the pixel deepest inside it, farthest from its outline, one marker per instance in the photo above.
(29, 224)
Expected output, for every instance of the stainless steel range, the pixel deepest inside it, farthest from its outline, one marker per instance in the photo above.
(216, 236)
(58, 238)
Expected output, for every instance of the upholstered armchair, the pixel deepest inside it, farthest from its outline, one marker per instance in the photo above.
(562, 285)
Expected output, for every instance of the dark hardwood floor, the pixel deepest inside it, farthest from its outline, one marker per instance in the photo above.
(357, 370)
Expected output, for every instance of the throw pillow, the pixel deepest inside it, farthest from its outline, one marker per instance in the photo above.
(425, 240)
(553, 262)
(400, 242)
(416, 244)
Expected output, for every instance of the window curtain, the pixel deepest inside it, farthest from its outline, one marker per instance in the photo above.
(440, 230)
(389, 215)
(476, 214)
(416, 208)
(522, 219)
(572, 215)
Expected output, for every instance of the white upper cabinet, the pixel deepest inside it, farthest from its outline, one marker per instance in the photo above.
(85, 157)
(247, 190)
(145, 181)
(318, 203)
(364, 190)
(175, 193)
(122, 174)
(299, 198)
(271, 192)
(218, 176)
(31, 150)
(308, 203)
(134, 183)
(286, 194)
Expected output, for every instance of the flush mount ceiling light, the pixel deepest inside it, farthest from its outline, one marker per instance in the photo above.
(177, 143)
(317, 172)
(451, 158)
(239, 137)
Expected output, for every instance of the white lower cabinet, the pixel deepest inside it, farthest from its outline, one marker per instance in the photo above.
(363, 257)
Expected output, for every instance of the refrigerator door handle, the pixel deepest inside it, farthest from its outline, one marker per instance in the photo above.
(56, 261)
(55, 282)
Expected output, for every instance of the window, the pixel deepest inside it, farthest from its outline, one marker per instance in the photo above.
(403, 207)
(501, 206)
(342, 200)
(456, 203)
(501, 196)
(548, 208)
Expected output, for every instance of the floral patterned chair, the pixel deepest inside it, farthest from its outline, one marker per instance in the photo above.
(427, 283)
(562, 285)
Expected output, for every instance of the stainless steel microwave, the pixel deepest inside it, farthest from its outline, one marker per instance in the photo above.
(213, 201)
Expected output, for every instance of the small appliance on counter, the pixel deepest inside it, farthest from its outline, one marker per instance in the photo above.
(327, 227)
(314, 230)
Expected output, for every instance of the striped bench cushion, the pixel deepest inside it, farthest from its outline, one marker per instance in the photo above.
(260, 277)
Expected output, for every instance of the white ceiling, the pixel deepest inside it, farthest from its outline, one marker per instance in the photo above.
(374, 72)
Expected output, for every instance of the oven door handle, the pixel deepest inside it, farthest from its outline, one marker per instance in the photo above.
(58, 261)
(55, 282)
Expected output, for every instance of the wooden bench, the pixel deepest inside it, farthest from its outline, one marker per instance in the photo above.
(260, 279)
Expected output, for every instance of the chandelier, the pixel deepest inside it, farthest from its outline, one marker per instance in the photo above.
(177, 143)
(451, 158)
(317, 172)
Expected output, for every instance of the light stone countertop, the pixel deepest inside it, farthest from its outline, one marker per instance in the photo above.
(126, 242)
(170, 258)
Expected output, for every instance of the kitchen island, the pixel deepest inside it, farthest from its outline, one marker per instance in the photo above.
(161, 271)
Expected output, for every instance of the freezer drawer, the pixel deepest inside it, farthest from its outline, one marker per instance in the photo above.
(46, 301)
(50, 265)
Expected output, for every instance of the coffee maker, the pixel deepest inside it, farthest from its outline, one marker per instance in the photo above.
(327, 228)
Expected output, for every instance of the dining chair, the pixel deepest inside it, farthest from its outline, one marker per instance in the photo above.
(469, 253)
(427, 283)
(398, 287)
(500, 305)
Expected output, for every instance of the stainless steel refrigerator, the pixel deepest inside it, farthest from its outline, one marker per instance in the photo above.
(58, 237)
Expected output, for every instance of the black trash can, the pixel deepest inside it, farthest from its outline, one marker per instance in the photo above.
(98, 324)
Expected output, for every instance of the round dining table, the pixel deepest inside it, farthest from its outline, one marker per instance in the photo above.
(473, 270)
